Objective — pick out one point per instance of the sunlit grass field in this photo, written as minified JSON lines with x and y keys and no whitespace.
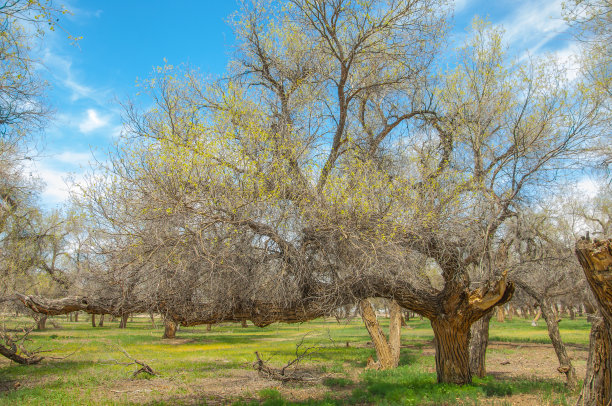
{"x":198,"y":366}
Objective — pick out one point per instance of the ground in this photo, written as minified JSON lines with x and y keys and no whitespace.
{"x":215,"y":367}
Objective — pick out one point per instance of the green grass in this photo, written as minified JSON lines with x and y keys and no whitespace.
{"x":92,"y":375}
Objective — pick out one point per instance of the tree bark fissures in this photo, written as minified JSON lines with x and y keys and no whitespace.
{"x":595,"y":257}
{"x":596,"y":390}
{"x":478,"y":345}
{"x":451,"y":342}
{"x":387,"y":352}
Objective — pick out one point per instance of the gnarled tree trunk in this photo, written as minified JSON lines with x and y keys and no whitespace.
{"x":451,"y":341}
{"x":169,"y":329}
{"x":596,"y":260}
{"x":478,"y":345}
{"x":387,"y":352}
{"x":565,"y":363}
{"x":596,"y":388}
{"x":101,"y":322}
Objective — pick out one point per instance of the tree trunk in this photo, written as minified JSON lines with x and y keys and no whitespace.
{"x":76,"y":317}
{"x":93,"y":320}
{"x":208,"y":327}
{"x":169,"y":329}
{"x":451,"y":341}
{"x":596,"y":261}
{"x":565,"y":363}
{"x":387,"y":356}
{"x":395,"y":331}
{"x":478,"y":345}
{"x":101,"y":322}
{"x":534,"y":323}
{"x":510,"y":311}
{"x":596,"y":390}
{"x":153,"y":325}
{"x":244,"y":323}
{"x":41,"y":323}
{"x":572,"y":313}
{"x":500,"y":314}
{"x":70,"y":316}
{"x":124,"y":320}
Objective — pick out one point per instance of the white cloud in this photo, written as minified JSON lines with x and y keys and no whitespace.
{"x":92,"y":122}
{"x":568,"y":57}
{"x":588,"y":187}
{"x":534,"y":24}
{"x":74,"y":158}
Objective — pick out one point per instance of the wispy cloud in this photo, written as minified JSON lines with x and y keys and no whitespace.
{"x":93,"y":121}
{"x":534,"y":24}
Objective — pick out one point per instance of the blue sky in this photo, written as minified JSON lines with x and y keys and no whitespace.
{"x":124,"y":40}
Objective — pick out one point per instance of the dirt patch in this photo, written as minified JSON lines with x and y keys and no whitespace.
{"x":510,"y":360}
{"x":232,"y":386}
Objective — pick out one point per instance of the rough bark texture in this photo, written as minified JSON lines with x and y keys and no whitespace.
{"x":169,"y":329}
{"x":93,"y":320}
{"x":451,"y":341}
{"x":478,"y":345}
{"x":565,"y":363}
{"x":101,"y":322}
{"x":387,"y":357}
{"x":596,"y":260}
{"x":596,"y":388}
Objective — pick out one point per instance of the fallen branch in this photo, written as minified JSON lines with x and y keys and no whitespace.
{"x":290,"y":372}
{"x":13,"y":348}
{"x":144,"y":368}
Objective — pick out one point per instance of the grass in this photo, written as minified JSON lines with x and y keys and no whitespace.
{"x":198,"y":359}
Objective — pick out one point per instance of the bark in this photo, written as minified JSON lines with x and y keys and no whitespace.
{"x":572,"y":313}
{"x":124,"y":320}
{"x":510,"y":311}
{"x":395,"y":331}
{"x":596,"y":390}
{"x":596,"y":260}
{"x":169,"y":329}
{"x":478,"y":345}
{"x":387,"y":356}
{"x":76,"y":317}
{"x":11,"y":353}
{"x":208,"y":327}
{"x":565,"y":363}
{"x":70,"y":316}
{"x":93,"y":320}
{"x":244,"y":323}
{"x":101,"y":322}
{"x":41,"y":323}
{"x":451,"y":341}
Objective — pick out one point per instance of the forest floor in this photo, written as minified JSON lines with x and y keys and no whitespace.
{"x":215,"y":367}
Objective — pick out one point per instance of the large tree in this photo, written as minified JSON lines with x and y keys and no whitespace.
{"x":336,"y":162}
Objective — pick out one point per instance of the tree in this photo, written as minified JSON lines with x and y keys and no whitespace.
{"x":333,"y":164}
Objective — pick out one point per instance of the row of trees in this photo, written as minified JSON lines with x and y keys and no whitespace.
{"x":339,"y":161}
